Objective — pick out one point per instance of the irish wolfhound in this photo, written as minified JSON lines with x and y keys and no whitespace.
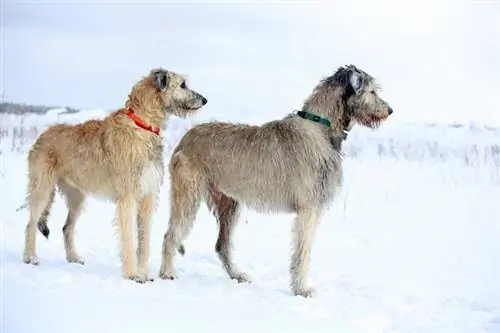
{"x":119,"y":158}
{"x":290,"y":165}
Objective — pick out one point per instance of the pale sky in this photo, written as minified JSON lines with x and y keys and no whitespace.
{"x":435,"y":60}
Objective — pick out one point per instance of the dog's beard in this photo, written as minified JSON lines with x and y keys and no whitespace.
{"x":371,"y":121}
{"x":190,"y":106}
{"x":183,"y":110}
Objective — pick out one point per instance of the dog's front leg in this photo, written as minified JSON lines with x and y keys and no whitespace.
{"x":144,"y":213}
{"x":124,"y":206}
{"x":303,"y":235}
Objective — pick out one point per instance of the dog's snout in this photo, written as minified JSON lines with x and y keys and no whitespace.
{"x":204,"y":100}
{"x":389,"y":111}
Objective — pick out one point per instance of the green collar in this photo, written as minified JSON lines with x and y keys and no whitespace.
{"x":315,"y":118}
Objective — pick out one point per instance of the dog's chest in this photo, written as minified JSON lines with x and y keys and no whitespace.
{"x":152,"y":177}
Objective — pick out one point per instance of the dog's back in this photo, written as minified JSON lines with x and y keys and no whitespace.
{"x":78,"y":154}
{"x":272,"y":167}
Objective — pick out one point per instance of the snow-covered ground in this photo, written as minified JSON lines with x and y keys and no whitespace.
{"x":411,"y":245}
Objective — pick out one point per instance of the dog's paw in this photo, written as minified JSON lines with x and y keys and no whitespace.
{"x":135,"y":277}
{"x":76,"y":260}
{"x":31,"y":259}
{"x":168,"y":275}
{"x":241,"y":278}
{"x":306,"y":292}
{"x":146,"y":276}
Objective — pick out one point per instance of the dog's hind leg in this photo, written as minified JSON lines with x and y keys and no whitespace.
{"x":75,"y":200}
{"x":227,"y":212}
{"x":185,"y":199}
{"x":41,"y":189}
{"x":303,"y":234}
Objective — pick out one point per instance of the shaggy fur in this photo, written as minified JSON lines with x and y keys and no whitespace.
{"x":291,"y":165}
{"x":113,"y":158}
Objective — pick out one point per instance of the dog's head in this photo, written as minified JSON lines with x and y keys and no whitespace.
{"x":363,"y":104}
{"x":173,"y":92}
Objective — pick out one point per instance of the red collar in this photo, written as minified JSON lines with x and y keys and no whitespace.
{"x":141,"y":123}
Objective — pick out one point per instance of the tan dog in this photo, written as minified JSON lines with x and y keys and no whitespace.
{"x":119,"y":158}
{"x":290,"y":165}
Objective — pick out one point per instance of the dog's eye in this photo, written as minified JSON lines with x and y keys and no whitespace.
{"x":373,"y":92}
{"x":183,"y":85}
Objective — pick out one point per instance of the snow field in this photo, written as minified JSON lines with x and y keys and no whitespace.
{"x":407,"y":247}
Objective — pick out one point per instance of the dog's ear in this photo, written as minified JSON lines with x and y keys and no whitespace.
{"x":356,"y":80}
{"x":161,"y":79}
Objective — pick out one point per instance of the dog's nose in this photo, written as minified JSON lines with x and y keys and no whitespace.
{"x":204,"y":100}
{"x":390,"y":111}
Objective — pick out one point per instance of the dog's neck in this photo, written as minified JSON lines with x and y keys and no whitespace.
{"x":315,"y":118}
{"x":153,"y":115}
{"x":141,"y":123}
{"x":336,"y":138}
{"x":336,"y":110}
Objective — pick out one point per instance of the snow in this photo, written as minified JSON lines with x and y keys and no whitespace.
{"x":411,"y":245}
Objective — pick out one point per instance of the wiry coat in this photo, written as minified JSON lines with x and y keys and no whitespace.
{"x":115,"y":158}
{"x":260,"y":167}
{"x":287,"y":165}
{"x":96,"y":160}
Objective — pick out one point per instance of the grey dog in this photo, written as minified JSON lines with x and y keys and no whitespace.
{"x":291,"y":165}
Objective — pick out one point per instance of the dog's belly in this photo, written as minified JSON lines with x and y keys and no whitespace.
{"x":274,"y":194}
{"x":151,"y":178}
{"x":260,"y":199}
{"x":94,"y":184}
{"x":265,"y":206}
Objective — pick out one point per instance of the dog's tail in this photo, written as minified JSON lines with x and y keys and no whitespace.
{"x":22,"y":207}
{"x":42,"y":222}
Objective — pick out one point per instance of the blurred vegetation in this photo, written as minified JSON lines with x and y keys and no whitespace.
{"x":21,"y":109}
